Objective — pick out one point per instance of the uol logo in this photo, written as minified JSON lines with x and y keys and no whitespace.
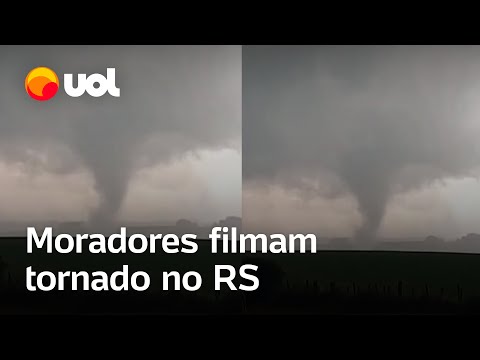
{"x":42,"y":84}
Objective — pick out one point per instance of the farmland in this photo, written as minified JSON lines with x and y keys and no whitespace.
{"x":327,"y":281}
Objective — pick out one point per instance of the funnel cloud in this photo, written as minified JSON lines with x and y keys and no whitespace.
{"x":180,"y":108}
{"x":355,"y":134}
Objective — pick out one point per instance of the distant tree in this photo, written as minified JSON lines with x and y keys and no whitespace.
{"x":469,"y":242}
{"x":186,"y":224}
{"x":433,"y":241}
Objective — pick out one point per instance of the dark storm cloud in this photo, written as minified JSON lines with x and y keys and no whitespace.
{"x":378,"y":119}
{"x":174,"y":100}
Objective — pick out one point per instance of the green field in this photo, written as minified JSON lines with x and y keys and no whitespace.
{"x":349,"y":270}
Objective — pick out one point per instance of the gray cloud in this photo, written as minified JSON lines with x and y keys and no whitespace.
{"x":379,"y":120}
{"x":174,"y":100}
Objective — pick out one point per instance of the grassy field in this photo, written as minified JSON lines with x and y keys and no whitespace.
{"x":362,"y":267}
{"x":447,"y":276}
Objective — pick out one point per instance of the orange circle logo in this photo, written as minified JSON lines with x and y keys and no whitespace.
{"x":42,"y":83}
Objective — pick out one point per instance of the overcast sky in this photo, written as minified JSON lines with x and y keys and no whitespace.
{"x":363,"y":141}
{"x":340,"y":140}
{"x":168,"y":148}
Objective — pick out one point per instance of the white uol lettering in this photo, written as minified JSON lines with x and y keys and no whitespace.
{"x":112,"y":87}
{"x":85,"y":83}
{"x":96,"y":79}
{"x":68,"y":85}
